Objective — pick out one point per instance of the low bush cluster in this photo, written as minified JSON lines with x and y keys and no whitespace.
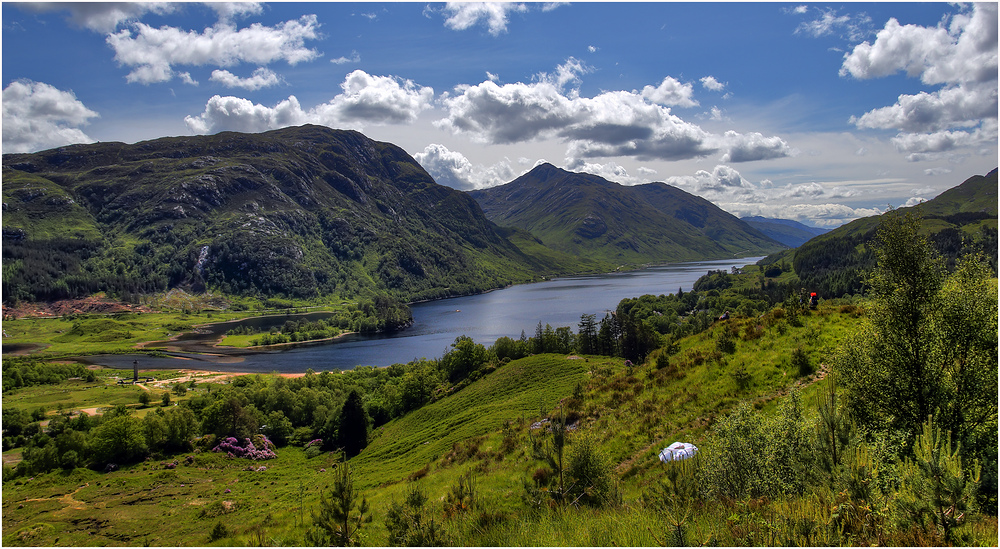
{"x":258,"y":449}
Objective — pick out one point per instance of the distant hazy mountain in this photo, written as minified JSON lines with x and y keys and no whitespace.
{"x":297,"y":212}
{"x":960,"y":220}
{"x":790,"y":233}
{"x":588,"y":216}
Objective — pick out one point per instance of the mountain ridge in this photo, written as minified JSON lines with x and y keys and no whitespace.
{"x":298,"y":212}
{"x":790,"y":233}
{"x":960,"y":220}
{"x":586,"y":215}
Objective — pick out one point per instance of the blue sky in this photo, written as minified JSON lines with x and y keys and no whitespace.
{"x":817,"y":112}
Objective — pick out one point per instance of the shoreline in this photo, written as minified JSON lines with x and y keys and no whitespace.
{"x":209,"y":347}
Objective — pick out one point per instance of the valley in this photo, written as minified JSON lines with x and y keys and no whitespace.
{"x":501,"y":418}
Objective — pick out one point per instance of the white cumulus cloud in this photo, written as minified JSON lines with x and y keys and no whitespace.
{"x":610,"y":124}
{"x":960,"y":56}
{"x":261,"y":78}
{"x":453,"y":169}
{"x":464,"y":15}
{"x":39,"y":116}
{"x":366,"y":99}
{"x":670,"y":92}
{"x":102,"y":16}
{"x":748,"y":147}
{"x":153,"y":52}
{"x":710,"y":83}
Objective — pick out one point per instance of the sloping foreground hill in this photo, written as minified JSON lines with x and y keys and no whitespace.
{"x":298,"y":212}
{"x":628,"y":412}
{"x":788,"y":232}
{"x":960,"y":220}
{"x":588,"y":216}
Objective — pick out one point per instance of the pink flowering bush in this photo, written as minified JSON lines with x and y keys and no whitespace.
{"x":259,"y":448}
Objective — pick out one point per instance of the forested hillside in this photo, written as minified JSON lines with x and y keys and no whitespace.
{"x":298,"y":212}
{"x":959,"y":221}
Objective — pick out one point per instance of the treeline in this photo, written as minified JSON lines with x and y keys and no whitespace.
{"x":27,"y":371}
{"x":382,"y":314}
{"x":834,"y":266}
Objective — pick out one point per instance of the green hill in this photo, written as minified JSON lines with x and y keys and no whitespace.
{"x":588,"y":216}
{"x":960,"y":220}
{"x":298,"y":212}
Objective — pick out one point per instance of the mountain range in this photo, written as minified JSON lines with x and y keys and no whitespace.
{"x":790,"y":233}
{"x":297,"y":212}
{"x":311,"y":212}
{"x":586,"y":215}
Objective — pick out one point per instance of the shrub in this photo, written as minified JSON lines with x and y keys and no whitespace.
{"x":935,"y":484}
{"x":218,"y":532}
{"x":408,"y":523}
{"x":592,"y":480}
{"x":461,"y":497}
{"x":258,"y":449}
{"x":801,"y":362}
{"x":742,"y":377}
{"x":724,"y":343}
{"x":340,"y":517}
{"x":754,"y":456}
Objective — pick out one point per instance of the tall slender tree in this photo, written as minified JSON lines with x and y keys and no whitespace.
{"x":352,"y":435}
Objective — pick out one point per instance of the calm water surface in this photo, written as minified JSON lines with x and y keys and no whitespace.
{"x":484,"y":317}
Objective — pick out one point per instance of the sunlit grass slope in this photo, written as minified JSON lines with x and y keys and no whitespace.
{"x":483,"y":429}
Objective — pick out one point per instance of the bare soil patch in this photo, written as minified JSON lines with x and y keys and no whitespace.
{"x":88,"y":305}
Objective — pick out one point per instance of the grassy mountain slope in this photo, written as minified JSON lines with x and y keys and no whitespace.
{"x":788,"y":232}
{"x":588,"y":216}
{"x":960,"y":220}
{"x":299,"y":212}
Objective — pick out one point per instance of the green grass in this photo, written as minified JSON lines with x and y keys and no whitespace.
{"x":514,"y":392}
{"x":631,"y":413}
{"x":242,"y":340}
{"x":74,"y":395}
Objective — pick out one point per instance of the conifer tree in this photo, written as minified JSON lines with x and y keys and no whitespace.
{"x":338,"y":524}
{"x":352,"y":435}
{"x":935,"y":485}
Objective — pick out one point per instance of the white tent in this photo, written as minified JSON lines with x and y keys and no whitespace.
{"x":678,"y":451}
